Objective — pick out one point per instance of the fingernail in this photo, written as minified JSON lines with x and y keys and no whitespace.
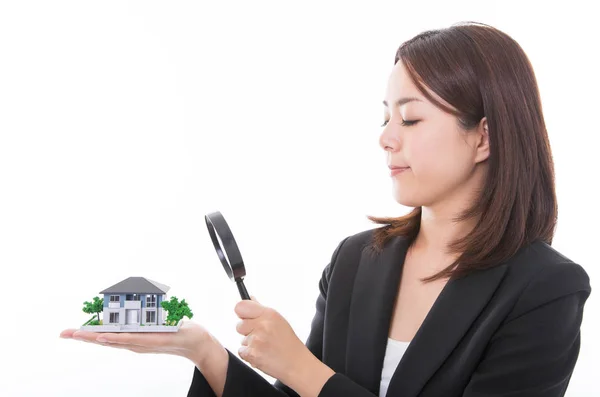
{"x":101,"y":339}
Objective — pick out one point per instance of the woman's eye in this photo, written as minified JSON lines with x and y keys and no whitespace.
{"x":406,"y":123}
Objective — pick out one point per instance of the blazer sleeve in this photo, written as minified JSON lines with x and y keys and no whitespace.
{"x":243,"y":381}
{"x":534,"y":353}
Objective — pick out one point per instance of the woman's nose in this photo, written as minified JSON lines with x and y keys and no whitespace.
{"x":388,"y":140}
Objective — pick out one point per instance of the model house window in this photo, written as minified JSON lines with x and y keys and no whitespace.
{"x":151,"y":317}
{"x":114,"y":298}
{"x":114,"y":318}
{"x":150,"y":300}
{"x":133,"y":297}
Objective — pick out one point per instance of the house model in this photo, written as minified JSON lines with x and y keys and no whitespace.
{"x":134,"y":305}
{"x":135,"y":300}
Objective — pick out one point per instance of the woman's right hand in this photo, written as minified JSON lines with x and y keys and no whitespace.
{"x":191,"y":341}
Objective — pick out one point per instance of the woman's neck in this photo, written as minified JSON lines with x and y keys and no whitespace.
{"x":438,"y":229}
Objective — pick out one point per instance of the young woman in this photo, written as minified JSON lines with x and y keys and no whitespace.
{"x":464,"y":296}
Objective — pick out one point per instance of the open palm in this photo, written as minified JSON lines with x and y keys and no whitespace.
{"x":188,"y":342}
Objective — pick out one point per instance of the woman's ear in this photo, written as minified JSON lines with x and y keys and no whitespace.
{"x":483,"y":141}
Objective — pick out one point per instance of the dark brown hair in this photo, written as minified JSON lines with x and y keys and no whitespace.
{"x":483,"y":72}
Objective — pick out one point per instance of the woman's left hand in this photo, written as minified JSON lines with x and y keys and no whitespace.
{"x":269,"y":342}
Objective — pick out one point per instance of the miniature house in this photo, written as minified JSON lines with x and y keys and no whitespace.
{"x":135,"y":301}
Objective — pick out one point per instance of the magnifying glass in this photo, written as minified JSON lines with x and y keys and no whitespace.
{"x":231,"y":258}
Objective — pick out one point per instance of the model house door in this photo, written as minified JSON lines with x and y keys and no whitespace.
{"x":132,"y":317}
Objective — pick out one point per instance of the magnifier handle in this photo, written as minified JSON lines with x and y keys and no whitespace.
{"x":242,"y":289}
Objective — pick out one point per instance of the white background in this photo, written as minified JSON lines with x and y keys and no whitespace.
{"x":123,"y":123}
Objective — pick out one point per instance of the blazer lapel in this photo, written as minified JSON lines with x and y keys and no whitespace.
{"x":454,"y":311}
{"x":372,"y":303}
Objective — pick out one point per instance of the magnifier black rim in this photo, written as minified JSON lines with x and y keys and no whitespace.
{"x":220,"y":253}
{"x":216,"y":224}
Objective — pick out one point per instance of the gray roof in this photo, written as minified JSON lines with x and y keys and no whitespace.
{"x":137,"y":285}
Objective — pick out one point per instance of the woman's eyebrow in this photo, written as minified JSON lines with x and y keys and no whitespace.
{"x":403,"y":101}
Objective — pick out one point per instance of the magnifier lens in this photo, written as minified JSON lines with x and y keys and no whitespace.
{"x":227,"y":250}
{"x":223,"y":252}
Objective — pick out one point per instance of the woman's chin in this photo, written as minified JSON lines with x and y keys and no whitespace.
{"x":405,"y":201}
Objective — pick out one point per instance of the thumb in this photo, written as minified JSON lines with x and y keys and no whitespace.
{"x":252,"y":297}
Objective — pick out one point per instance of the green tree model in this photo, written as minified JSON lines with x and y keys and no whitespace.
{"x":95,"y":307}
{"x":176,"y":310}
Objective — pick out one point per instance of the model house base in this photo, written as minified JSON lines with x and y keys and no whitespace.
{"x":130,"y":328}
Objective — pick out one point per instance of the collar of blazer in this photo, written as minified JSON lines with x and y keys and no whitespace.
{"x":371,"y":307}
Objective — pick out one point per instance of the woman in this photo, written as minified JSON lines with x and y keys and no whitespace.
{"x":464,"y":296}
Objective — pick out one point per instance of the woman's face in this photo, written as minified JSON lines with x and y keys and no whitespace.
{"x":441,"y":157}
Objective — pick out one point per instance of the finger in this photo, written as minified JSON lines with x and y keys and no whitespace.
{"x":85,"y":336}
{"x":133,"y":348}
{"x":252,"y":297}
{"x":244,"y":327}
{"x":248,"y":309}
{"x":67,"y":333}
{"x":99,"y":339}
{"x":246,"y":340}
{"x":139,"y":349}
{"x":246,"y":354}
{"x":151,"y":340}
{"x":119,"y":338}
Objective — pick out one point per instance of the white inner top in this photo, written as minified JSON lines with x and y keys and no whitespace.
{"x":393,"y":354}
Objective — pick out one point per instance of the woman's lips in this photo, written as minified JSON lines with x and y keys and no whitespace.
{"x":398,"y":170}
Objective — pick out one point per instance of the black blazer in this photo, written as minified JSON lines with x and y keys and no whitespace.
{"x":511,"y":330}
